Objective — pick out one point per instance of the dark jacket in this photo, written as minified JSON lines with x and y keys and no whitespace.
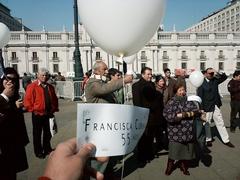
{"x":179,"y":130}
{"x":168,"y":93}
{"x":144,"y":94}
{"x":234,"y":89}
{"x":26,"y":80}
{"x":13,"y":138}
{"x":209,"y":93}
{"x":158,"y":109}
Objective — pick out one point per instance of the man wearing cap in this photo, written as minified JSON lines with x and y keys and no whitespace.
{"x":211,"y":103}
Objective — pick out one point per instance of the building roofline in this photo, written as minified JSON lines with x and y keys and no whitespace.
{"x":5,"y":7}
{"x":231,"y":3}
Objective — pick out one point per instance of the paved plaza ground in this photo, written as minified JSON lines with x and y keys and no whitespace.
{"x":224,"y":164}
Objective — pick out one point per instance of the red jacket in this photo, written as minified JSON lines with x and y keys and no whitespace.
{"x":34,"y":100}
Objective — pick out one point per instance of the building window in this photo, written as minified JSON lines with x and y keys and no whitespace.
{"x":184,"y":65}
{"x":165,"y":65}
{"x":55,"y":55}
{"x":15,"y":66}
{"x":220,"y":55}
{"x":184,"y":55}
{"x":238,"y":54}
{"x":98,"y":55}
{"x":165,"y":56}
{"x":143,"y":65}
{"x":221,"y":66}
{"x":202,"y":55}
{"x":202,"y":66}
{"x":55,"y":68}
{"x":14,"y":55}
{"x":238,"y":65}
{"x":143,"y":55}
{"x":34,"y":56}
{"x":35,"y":68}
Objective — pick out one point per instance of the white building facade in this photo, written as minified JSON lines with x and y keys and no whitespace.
{"x":27,"y":51}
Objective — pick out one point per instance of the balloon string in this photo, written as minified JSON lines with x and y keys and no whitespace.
{"x":124,"y":97}
{"x":123,"y":162}
{"x":124,"y":91}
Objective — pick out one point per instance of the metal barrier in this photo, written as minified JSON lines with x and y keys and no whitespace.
{"x":68,"y":89}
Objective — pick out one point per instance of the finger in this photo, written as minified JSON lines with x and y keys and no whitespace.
{"x":94,"y":173}
{"x":67,"y":148}
{"x":102,"y":159}
{"x":85,"y":151}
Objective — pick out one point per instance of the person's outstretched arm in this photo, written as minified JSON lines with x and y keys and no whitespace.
{"x":65,"y":163}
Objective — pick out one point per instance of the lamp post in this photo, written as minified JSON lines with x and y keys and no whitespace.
{"x":77,"y":57}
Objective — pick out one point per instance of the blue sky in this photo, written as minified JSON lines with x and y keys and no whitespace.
{"x":54,"y":14}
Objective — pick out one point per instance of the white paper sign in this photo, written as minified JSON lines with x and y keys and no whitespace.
{"x":114,"y":129}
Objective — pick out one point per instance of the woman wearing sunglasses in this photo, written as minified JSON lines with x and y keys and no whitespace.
{"x":13,"y":134}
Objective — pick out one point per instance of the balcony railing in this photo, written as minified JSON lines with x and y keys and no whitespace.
{"x":55,"y":59}
{"x":143,"y":57}
{"x":14,"y":59}
{"x":35,"y":59}
{"x":184,"y":57}
{"x":165,"y":57}
{"x":98,"y":58}
{"x":203,"y":57}
{"x":221,"y":57}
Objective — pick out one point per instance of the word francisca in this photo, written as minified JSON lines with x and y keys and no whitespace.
{"x":112,"y":126}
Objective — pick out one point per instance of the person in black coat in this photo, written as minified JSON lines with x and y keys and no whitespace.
{"x":211,"y":103}
{"x":160,"y":121}
{"x":13,"y":134}
{"x":144,"y":94}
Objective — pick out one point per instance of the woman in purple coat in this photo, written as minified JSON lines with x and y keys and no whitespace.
{"x":179,"y":114}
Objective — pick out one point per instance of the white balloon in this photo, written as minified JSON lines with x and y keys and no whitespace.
{"x":196,"y":78}
{"x":194,"y":98}
{"x":129,"y":59}
{"x":4,"y":35}
{"x":121,"y":27}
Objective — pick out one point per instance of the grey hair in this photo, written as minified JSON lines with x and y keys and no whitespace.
{"x":97,"y":64}
{"x":43,"y":71}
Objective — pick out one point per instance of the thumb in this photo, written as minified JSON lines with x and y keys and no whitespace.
{"x":85,"y":152}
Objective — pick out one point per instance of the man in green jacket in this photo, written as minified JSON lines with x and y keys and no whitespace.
{"x":98,"y":90}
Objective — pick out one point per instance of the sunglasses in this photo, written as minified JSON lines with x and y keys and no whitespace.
{"x":9,"y":78}
{"x":211,"y":73}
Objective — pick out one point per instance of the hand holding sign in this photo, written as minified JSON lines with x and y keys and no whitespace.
{"x":113,"y":128}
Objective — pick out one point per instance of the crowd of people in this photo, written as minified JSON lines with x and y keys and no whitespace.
{"x":177,"y":123}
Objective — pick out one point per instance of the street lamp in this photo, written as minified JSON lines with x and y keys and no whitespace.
{"x":77,"y":57}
